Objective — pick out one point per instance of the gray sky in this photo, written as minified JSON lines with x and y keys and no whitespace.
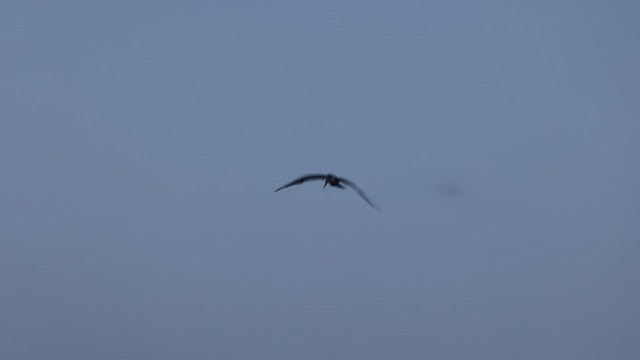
{"x":140,"y":144}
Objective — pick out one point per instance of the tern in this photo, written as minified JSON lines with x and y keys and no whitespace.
{"x":331,"y":180}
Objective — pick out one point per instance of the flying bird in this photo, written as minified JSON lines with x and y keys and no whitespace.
{"x":331,"y":180}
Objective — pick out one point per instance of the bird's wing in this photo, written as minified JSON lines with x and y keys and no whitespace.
{"x":360,"y":192}
{"x":302,"y":179}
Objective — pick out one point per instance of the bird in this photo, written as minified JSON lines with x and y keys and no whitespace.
{"x":331,"y":180}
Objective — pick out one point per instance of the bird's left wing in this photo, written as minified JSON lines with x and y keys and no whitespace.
{"x":302,"y":179}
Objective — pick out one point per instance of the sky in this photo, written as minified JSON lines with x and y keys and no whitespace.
{"x":141,"y":142}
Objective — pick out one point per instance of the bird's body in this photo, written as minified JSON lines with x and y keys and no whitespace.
{"x":331,"y":180}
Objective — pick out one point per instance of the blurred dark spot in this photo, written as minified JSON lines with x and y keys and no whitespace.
{"x":449,"y":188}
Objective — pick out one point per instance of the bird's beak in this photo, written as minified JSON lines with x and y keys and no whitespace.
{"x":325,"y":184}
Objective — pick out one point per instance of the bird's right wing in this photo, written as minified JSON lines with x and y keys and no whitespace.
{"x":360,"y":192}
{"x":302,"y":179}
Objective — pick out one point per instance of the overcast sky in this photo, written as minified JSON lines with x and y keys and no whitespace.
{"x":141,"y":141}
